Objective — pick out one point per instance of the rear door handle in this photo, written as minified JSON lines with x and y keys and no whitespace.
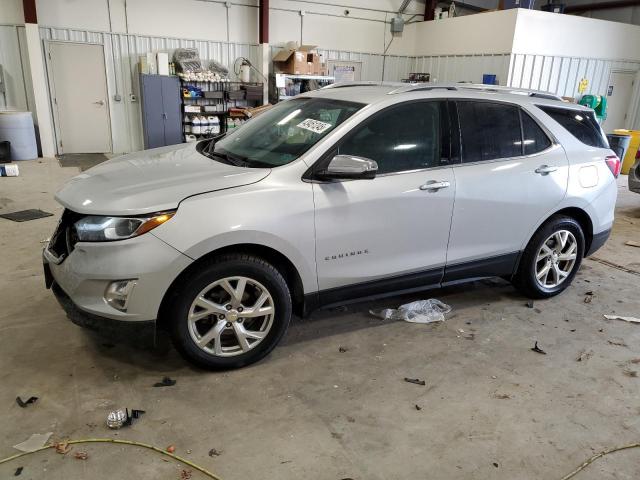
{"x":434,"y":185}
{"x":545,"y":169}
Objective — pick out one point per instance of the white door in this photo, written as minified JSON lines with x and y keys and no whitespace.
{"x":392,"y":228}
{"x":505,"y":186}
{"x":80,"y":98}
{"x":619,"y":93}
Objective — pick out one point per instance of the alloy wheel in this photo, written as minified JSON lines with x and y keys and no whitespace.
{"x":231,"y":316}
{"x":556,"y":259}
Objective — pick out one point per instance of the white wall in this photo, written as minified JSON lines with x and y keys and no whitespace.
{"x":15,"y":97}
{"x":488,"y":33}
{"x":544,"y":33}
{"x":11,"y":12}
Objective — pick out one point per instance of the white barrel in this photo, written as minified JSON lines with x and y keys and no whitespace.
{"x":17,"y":128}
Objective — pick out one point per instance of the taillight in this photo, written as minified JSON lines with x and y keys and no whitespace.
{"x":614,"y":164}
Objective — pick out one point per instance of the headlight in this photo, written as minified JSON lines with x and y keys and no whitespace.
{"x":103,"y":229}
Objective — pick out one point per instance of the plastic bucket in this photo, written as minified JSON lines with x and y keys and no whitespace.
{"x":17,"y":128}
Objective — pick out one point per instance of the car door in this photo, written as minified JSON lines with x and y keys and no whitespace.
{"x":512,"y":175}
{"x":389,"y":233}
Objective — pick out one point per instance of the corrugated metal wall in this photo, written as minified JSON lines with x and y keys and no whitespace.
{"x":122,"y":52}
{"x":561,"y":75}
{"x":463,"y":68}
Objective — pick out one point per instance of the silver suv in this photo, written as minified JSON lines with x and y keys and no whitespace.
{"x":347,"y":192}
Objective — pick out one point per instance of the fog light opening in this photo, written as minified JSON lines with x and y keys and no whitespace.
{"x":118,"y":292}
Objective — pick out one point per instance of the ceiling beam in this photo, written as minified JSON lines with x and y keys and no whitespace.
{"x":263,"y":22}
{"x":29,"y":7}
{"x":587,"y":7}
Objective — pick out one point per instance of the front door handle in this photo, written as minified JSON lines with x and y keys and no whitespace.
{"x":545,"y":169}
{"x":434,"y":185}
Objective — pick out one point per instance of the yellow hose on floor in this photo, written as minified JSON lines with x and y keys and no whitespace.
{"x":123,"y":442}
{"x":597,"y":456}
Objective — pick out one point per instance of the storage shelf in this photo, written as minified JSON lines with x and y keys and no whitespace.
{"x":306,"y":77}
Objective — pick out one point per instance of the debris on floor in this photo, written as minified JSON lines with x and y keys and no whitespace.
{"x":62,"y":447}
{"x":166,"y":382}
{"x":185,"y":474}
{"x":81,"y":455}
{"x":530,"y":304}
{"x":417,"y":407}
{"x":11,"y":170}
{"x":619,"y":317}
{"x":343,"y":349}
{"x":538,"y":349}
{"x":617,"y":343}
{"x":415,"y":381}
{"x":34,"y":442}
{"x":26,"y":215}
{"x":122,"y":418}
{"x":421,"y":311}
{"x":584,"y":355}
{"x":171,"y":448}
{"x":630,"y":373}
{"x":588,"y":297}
{"x":501,"y":396}
{"x":214,"y":453}
{"x":18,"y":471}
{"x":632,"y":243}
{"x":27,"y":402}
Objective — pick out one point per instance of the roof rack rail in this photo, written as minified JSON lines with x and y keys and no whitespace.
{"x":363,"y":83}
{"x":421,"y":87}
{"x":515,"y":91}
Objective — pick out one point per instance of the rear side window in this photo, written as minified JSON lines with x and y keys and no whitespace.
{"x":582,"y":125}
{"x":489,"y":131}
{"x":534,"y":140}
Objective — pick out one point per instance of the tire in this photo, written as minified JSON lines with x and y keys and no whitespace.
{"x":530,"y":267}
{"x":208,"y":306}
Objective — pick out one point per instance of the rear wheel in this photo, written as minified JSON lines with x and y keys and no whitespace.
{"x":552,"y":258}
{"x":230,"y":313}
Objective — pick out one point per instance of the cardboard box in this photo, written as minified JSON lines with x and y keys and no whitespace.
{"x":299,"y":61}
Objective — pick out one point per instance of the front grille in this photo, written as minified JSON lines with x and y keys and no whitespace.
{"x":64,"y":239}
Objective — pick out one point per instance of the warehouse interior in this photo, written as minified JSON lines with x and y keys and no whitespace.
{"x":501,"y":386}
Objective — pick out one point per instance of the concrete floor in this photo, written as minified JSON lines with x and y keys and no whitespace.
{"x":310,"y":411}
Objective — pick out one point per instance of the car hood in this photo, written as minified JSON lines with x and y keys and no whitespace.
{"x":151,"y":181}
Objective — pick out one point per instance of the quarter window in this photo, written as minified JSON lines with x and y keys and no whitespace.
{"x":534,"y":140}
{"x":581,"y":124}
{"x":403,"y":138}
{"x":489,"y":131}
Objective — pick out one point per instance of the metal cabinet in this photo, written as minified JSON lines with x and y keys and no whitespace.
{"x":161,"y":119}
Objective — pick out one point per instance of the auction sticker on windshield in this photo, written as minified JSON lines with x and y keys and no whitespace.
{"x":315,"y":126}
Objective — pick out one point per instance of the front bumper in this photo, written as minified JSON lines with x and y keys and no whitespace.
{"x":141,"y":333}
{"x":85,"y":273}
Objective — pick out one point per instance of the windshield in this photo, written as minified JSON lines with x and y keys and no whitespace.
{"x":281,"y":134}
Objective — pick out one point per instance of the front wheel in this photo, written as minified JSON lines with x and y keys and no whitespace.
{"x":552,"y":258}
{"x":230,"y":313}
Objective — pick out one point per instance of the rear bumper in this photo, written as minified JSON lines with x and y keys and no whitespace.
{"x":599,"y":239}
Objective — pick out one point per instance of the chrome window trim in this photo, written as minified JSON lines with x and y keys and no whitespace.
{"x":505,"y":159}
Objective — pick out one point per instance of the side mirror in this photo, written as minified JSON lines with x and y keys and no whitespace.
{"x":343,"y":167}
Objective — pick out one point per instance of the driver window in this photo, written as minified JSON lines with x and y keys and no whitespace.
{"x":402,"y":138}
